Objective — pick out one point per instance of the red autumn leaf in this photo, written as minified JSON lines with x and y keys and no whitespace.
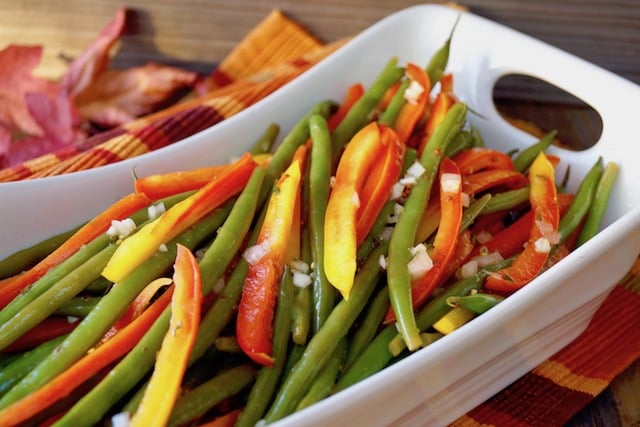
{"x":16,"y":80}
{"x":118,"y":96}
{"x":36,"y":117}
{"x":86,"y":68}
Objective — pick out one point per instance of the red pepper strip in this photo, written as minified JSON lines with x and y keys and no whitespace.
{"x":484,"y":180}
{"x":480,"y":158}
{"x":173,"y":356}
{"x":354,"y":93}
{"x":510,"y":241}
{"x":227,"y":420}
{"x":444,"y":101}
{"x":157,"y":186}
{"x":124,"y":207}
{"x":543,"y":232}
{"x":376,"y":190}
{"x":267,"y":258}
{"x":94,"y":361}
{"x":49,"y":328}
{"x":137,"y":248}
{"x":354,"y":168}
{"x":447,"y":236}
{"x":413,"y":109}
{"x":491,"y":223}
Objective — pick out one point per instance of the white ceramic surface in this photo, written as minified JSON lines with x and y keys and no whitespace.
{"x":438,"y":384}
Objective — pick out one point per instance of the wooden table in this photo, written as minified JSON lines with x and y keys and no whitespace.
{"x":197,"y":33}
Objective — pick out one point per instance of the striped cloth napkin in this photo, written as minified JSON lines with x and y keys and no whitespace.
{"x":275,"y":52}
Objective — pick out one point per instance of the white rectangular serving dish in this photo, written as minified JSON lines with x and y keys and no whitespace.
{"x":438,"y":384}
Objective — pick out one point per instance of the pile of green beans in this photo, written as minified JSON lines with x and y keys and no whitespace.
{"x":322,"y":344}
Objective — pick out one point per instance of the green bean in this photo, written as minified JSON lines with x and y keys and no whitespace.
{"x":476,"y":208}
{"x":82,"y":255}
{"x":230,"y":235}
{"x":377,"y":355}
{"x":438,"y":62}
{"x":199,"y":400}
{"x":25,"y":362}
{"x":438,"y":307}
{"x":325,"y":341}
{"x":266,"y":140}
{"x":141,"y":358}
{"x":581,"y":202}
{"x":268,"y":377}
{"x":301,"y":310}
{"x":403,"y":236}
{"x":507,"y":200}
{"x":324,"y":294}
{"x":47,"y":303}
{"x":111,"y":306}
{"x":227,"y":345}
{"x":297,"y":136}
{"x":222,"y":310}
{"x":476,"y":302}
{"x":523,"y":160}
{"x":390,"y":114}
{"x":376,"y":310}
{"x":28,"y":257}
{"x":53,"y":276}
{"x":326,"y":379}
{"x":599,"y":206}
{"x":373,"y":358}
{"x":360,"y":112}
{"x":78,"y":306}
{"x":90,"y":409}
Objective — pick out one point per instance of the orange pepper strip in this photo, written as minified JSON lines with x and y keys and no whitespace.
{"x":413,"y":110}
{"x":377,"y":189}
{"x":137,"y":306}
{"x":171,"y":362}
{"x":543,"y":232}
{"x":254,"y":324}
{"x":124,"y":207}
{"x":484,"y":180}
{"x":356,"y":163}
{"x":137,"y":248}
{"x":445,"y":242}
{"x":162,"y":185}
{"x":480,"y":158}
{"x":354,"y":93}
{"x":62,"y":385}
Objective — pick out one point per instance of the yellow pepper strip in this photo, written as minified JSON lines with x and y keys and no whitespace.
{"x":340,"y":237}
{"x":173,"y":356}
{"x":137,"y":248}
{"x":451,"y":321}
{"x":267,"y":259}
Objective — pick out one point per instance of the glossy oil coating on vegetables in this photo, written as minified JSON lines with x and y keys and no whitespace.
{"x":244,"y":292}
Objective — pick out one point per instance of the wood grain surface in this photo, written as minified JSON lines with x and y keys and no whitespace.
{"x":197,"y":33}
